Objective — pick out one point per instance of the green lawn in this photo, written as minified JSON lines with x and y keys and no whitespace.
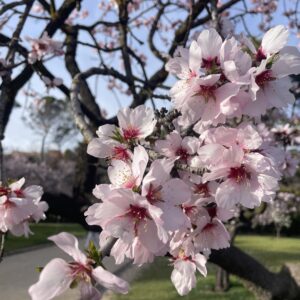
{"x":41,"y":232}
{"x":154,"y":282}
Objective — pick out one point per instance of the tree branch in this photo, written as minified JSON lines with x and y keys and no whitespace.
{"x":279,"y":285}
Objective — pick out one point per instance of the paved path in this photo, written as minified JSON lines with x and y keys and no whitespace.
{"x":17,"y":272}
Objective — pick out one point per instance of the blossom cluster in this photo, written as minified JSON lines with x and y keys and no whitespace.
{"x":43,"y":46}
{"x":220,"y":80}
{"x":19,"y":206}
{"x":173,"y":186}
{"x":172,"y":196}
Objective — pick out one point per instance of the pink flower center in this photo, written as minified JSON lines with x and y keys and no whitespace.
{"x":19,"y":193}
{"x":182,"y":153}
{"x":4,"y":191}
{"x":41,"y":46}
{"x":120,"y":153}
{"x":264,"y":77}
{"x":130,"y":183}
{"x":192,"y":74}
{"x":208,"y":226}
{"x":207,"y":91}
{"x":153,"y":194}
{"x":202,"y":189}
{"x":239,"y":174}
{"x":8,"y":204}
{"x":189,"y":210}
{"x":81,"y":271}
{"x":130,"y":133}
{"x":138,"y":213}
{"x":260,"y":55}
{"x":209,"y":63}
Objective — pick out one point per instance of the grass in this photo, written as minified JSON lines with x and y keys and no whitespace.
{"x":271,"y":251}
{"x":154,"y":282}
{"x":41,"y":232}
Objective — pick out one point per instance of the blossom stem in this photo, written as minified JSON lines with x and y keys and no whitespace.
{"x":105,"y":251}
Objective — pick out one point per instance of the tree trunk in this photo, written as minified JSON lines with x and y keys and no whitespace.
{"x":222,"y":283}
{"x":278,"y":231}
{"x":222,"y":280}
{"x":43,"y":147}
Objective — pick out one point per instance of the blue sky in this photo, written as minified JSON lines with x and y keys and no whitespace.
{"x":20,"y":137}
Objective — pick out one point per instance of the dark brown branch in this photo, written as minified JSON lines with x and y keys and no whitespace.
{"x":61,"y":16}
{"x":10,"y":6}
{"x":79,"y":117}
{"x":278,"y":285}
{"x":88,"y":100}
{"x":123,"y":31}
{"x":152,"y":32}
{"x":220,"y":10}
{"x":180,"y":36}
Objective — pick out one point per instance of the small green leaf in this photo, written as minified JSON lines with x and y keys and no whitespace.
{"x":94,"y":254}
{"x":39,"y":269}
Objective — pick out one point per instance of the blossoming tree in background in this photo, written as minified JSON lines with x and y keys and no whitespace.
{"x":177,"y":174}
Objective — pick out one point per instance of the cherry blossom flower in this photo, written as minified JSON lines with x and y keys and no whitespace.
{"x":126,"y":215}
{"x":174,"y":146}
{"x":115,"y":143}
{"x":268,"y":89}
{"x":129,"y":175}
{"x":167,"y":193}
{"x":247,"y":179}
{"x":183,"y":276}
{"x":206,"y":100}
{"x":186,"y":65}
{"x":18,"y":206}
{"x":58,"y":275}
{"x":107,"y":145}
{"x":136,"y":123}
{"x":43,"y":46}
{"x":210,"y":232}
{"x":134,"y":250}
{"x":236,"y":64}
{"x":273,"y":41}
{"x":246,"y":137}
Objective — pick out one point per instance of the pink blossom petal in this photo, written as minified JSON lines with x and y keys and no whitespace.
{"x":69,"y":244}
{"x":110,"y":281}
{"x":54,"y":280}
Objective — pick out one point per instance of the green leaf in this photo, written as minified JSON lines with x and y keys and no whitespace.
{"x":39,"y":269}
{"x":94,"y":254}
